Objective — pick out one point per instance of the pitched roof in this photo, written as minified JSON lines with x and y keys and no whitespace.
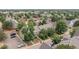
{"x":77,"y":32}
{"x":45,"y":46}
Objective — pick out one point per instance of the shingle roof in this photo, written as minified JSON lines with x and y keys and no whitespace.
{"x":45,"y":46}
{"x":77,"y":32}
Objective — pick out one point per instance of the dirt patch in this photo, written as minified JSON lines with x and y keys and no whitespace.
{"x":36,"y":41}
{"x":29,"y":43}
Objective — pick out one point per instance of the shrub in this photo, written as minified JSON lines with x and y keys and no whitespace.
{"x":67,"y":46}
{"x":27,"y":15}
{"x":72,"y":32}
{"x":43,"y":34}
{"x":20,"y":25}
{"x":28,"y":33}
{"x":29,"y":37}
{"x":3,"y":46}
{"x":70,"y":16}
{"x":61,"y":27}
{"x":56,"y":18}
{"x":56,"y":39}
{"x":76,"y":23}
{"x":50,"y":32}
{"x":7,"y":25}
{"x":2,"y":19}
{"x":2,"y":36}
{"x":43,"y":21}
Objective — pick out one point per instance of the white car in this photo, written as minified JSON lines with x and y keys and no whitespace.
{"x":20,"y":45}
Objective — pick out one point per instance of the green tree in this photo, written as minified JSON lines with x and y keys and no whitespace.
{"x":24,"y":30}
{"x":28,"y":32}
{"x":29,"y":36}
{"x":67,"y":46}
{"x":61,"y":27}
{"x":50,"y":32}
{"x":56,"y":18}
{"x":70,"y":16}
{"x":20,"y":25}
{"x":7,"y":25}
{"x":76,"y":23}
{"x":72,"y":32}
{"x":56,"y":38}
{"x":43,"y":34}
{"x":2,"y":19}
{"x":43,"y":20}
{"x":31,"y":25}
{"x":2,"y":36}
{"x":4,"y":47}
{"x":27,"y":15}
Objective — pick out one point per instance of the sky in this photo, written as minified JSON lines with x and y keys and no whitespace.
{"x":39,"y":4}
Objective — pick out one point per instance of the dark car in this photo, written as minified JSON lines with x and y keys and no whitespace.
{"x":13,"y":35}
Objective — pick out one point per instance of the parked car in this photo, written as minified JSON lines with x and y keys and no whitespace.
{"x":20,"y":45}
{"x":13,"y":35}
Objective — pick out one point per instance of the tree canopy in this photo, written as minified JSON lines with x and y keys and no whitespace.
{"x":7,"y":25}
{"x":2,"y":36}
{"x":65,"y":46}
{"x":56,"y":38}
{"x":43,"y":34}
{"x":61,"y":27}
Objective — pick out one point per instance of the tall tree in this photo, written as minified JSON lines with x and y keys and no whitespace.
{"x":61,"y":27}
{"x":7,"y":25}
{"x":43,"y":34}
{"x":50,"y":32}
{"x":28,"y":32}
{"x":56,"y":38}
{"x":2,"y":19}
{"x":2,"y":36}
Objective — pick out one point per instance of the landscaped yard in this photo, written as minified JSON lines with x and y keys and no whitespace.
{"x":39,"y":29}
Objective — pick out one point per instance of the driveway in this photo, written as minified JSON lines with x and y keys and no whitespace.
{"x":12,"y":42}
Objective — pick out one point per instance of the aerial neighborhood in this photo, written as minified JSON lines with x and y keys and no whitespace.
{"x":39,"y":29}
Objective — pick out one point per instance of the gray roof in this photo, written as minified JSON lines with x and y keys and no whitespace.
{"x":46,"y":26}
{"x":45,"y":46}
{"x":77,"y":32}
